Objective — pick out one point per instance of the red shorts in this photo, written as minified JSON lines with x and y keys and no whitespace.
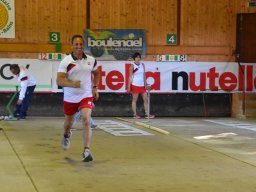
{"x":72,"y":108}
{"x":138,"y":89}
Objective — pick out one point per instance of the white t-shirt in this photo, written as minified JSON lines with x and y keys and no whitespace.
{"x":138,"y":75}
{"x":26,"y":80}
{"x":78,"y":70}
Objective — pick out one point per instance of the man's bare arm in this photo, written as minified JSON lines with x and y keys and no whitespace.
{"x":64,"y":82}
{"x":96,"y":77}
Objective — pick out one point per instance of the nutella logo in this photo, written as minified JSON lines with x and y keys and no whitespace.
{"x":115,"y":80}
{"x":211,"y":80}
{"x":215,"y":81}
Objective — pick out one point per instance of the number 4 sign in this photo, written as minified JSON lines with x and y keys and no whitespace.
{"x":171,"y":39}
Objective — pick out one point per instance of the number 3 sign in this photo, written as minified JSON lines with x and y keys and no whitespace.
{"x":54,"y":37}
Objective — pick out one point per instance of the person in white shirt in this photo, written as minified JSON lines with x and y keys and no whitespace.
{"x":27,"y":87}
{"x":138,"y":85}
{"x":75,"y":76}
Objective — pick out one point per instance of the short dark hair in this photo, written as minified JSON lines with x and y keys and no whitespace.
{"x":14,"y":66}
{"x":136,"y":55}
{"x":76,"y":36}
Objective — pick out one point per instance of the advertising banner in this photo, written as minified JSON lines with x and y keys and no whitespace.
{"x":7,"y":18}
{"x":115,"y":44}
{"x":164,"y":77}
{"x":189,"y":77}
{"x":41,"y":70}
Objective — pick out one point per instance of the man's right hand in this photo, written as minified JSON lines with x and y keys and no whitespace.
{"x":76,"y":84}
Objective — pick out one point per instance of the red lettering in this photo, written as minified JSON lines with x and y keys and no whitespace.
{"x":118,"y":79}
{"x":156,"y":77}
{"x":127,"y":66}
{"x":255,"y":83}
{"x":102,"y":74}
{"x":228,"y":81}
{"x":115,"y":80}
{"x":241,"y":78}
{"x":192,"y":82}
{"x":212,"y":75}
{"x":249,"y":78}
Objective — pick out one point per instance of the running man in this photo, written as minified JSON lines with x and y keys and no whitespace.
{"x":74,"y":75}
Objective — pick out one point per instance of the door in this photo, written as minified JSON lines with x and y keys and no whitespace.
{"x":246,"y":38}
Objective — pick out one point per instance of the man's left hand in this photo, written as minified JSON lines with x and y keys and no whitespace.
{"x":95,"y":94}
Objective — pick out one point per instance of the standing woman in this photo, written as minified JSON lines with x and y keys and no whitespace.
{"x":137,"y":85}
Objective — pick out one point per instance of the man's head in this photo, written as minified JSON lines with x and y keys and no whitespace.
{"x":77,"y":44}
{"x":76,"y":36}
{"x":15,"y":69}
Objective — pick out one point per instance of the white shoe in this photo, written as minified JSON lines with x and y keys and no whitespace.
{"x":65,"y":143}
{"x":87,"y":156}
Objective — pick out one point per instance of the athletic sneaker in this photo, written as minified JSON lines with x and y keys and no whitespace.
{"x":65,"y":143}
{"x":87,"y":156}
{"x":136,"y":117}
{"x":150,"y":116}
{"x":94,"y":126}
{"x":21,"y":118}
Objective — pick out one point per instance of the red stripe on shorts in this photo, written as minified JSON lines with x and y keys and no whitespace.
{"x":138,"y":89}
